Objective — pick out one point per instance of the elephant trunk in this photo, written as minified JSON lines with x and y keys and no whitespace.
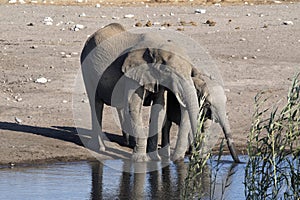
{"x":226,"y":130}
{"x":192,"y":107}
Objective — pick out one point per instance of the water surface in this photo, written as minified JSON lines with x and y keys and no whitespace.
{"x":94,"y":180}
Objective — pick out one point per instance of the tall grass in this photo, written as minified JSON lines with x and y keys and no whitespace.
{"x":273,"y":168}
{"x":203,"y":168}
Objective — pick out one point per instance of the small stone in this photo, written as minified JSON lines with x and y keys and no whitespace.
{"x":48,"y":21}
{"x":200,"y":11}
{"x":237,"y":28}
{"x":138,"y":24}
{"x":129,"y":16}
{"x":97,"y":5}
{"x":261,"y":15}
{"x":19,"y":99}
{"x":65,"y":101}
{"x":265,"y":26}
{"x":180,"y":29}
{"x":33,"y":47}
{"x":287,"y":23}
{"x":258,"y":50}
{"x":248,"y":14}
{"x":77,"y":27}
{"x":82,"y":15}
{"x":172,"y":14}
{"x":233,"y":56}
{"x":84,"y":101}
{"x":162,"y":28}
{"x":243,"y":39}
{"x":68,"y":56}
{"x":18,"y":120}
{"x":277,"y":2}
{"x":210,"y":22}
{"x":254,"y":57}
{"x":245,"y":58}
{"x":41,"y":80}
{"x":30,"y":24}
{"x":103,"y":16}
{"x":149,"y":24}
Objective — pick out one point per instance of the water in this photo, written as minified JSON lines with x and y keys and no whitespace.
{"x":93,"y":180}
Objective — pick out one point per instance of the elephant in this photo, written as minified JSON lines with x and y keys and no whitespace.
{"x":215,"y":109}
{"x":123,"y":69}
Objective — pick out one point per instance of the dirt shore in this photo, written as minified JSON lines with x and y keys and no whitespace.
{"x":256,"y":47}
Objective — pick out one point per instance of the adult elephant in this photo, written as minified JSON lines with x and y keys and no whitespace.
{"x":122,"y":69}
{"x":215,"y":109}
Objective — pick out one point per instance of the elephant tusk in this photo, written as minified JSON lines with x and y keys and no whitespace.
{"x":179,"y":100}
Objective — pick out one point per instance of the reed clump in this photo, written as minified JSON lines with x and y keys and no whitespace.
{"x":273,"y":168}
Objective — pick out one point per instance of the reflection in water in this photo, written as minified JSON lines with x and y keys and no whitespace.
{"x":164,"y":183}
{"x":94,"y":180}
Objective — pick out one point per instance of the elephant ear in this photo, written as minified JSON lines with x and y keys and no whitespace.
{"x":138,"y":66}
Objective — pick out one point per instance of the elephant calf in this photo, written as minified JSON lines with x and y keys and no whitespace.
{"x":215,"y":105}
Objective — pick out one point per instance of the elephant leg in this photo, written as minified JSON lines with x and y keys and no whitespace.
{"x":134,"y":114}
{"x":165,"y":140}
{"x":182,"y":138}
{"x":157,"y":118}
{"x":96,"y":142}
{"x":129,"y":140}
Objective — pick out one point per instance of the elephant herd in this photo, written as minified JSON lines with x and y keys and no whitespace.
{"x":128,"y":70}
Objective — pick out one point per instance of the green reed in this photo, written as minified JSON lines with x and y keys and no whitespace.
{"x":203,"y":168}
{"x":273,"y":168}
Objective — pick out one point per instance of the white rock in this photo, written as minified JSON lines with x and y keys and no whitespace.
{"x":41,"y":80}
{"x":200,"y":11}
{"x":245,"y":58}
{"x":243,"y":39}
{"x":162,"y":28}
{"x":218,"y":4}
{"x":288,"y":23}
{"x":114,"y":17}
{"x":18,"y":120}
{"x":248,"y":14}
{"x":84,"y":101}
{"x":278,"y":2}
{"x":12,"y":1}
{"x":258,"y":50}
{"x":103,"y":16}
{"x":22,"y":1}
{"x":82,"y":15}
{"x":77,"y":27}
{"x":172,"y":14}
{"x":48,"y":21}
{"x":65,"y":101}
{"x":129,"y":16}
{"x":97,"y":5}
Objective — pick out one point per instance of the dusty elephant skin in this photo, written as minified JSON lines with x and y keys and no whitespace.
{"x":252,"y":47}
{"x":122,"y":69}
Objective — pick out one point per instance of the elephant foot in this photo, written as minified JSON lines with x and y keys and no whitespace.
{"x":165,"y":152}
{"x":140,"y":157}
{"x":154,"y":156}
{"x":95,"y":146}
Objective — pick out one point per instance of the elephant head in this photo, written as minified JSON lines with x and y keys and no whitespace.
{"x":155,"y":63}
{"x":216,"y":101}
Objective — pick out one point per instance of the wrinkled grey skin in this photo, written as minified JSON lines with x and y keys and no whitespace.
{"x":215,"y":105}
{"x":122,"y":69}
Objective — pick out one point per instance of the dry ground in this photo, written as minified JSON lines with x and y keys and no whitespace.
{"x":30,"y":49}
